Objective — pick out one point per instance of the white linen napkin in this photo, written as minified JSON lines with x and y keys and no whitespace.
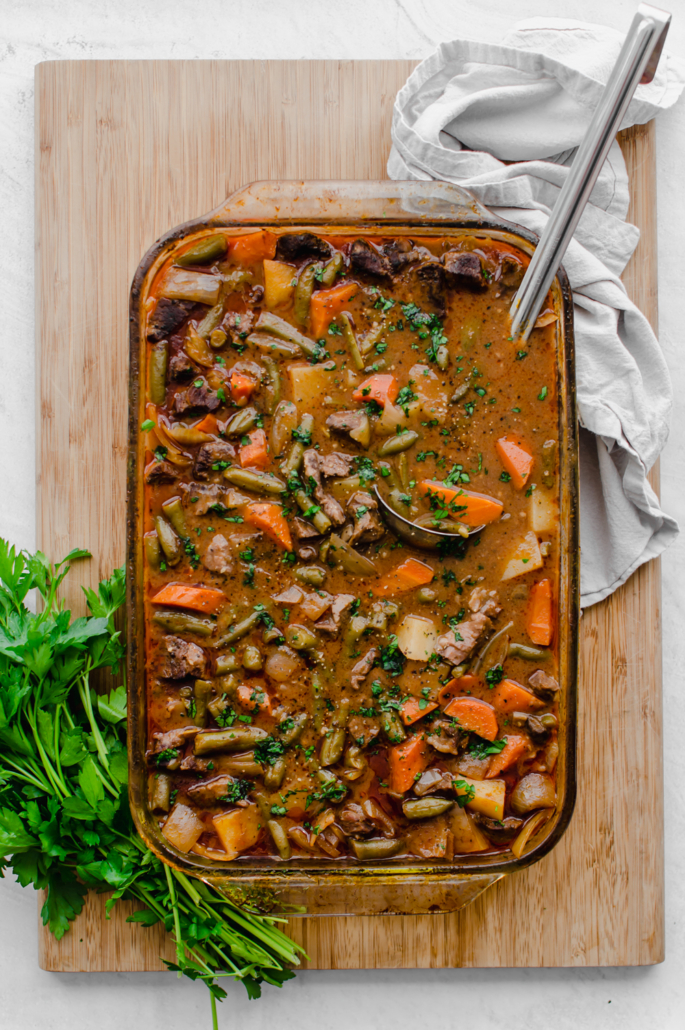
{"x":471,"y":106}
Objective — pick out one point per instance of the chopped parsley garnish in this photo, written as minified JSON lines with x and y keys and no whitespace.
{"x":147,"y":425}
{"x":494,"y":676}
{"x":504,"y":477}
{"x":167,"y":755}
{"x":269,"y":750}
{"x":160,"y":453}
{"x":237,"y":791}
{"x":542,"y":394}
{"x":303,"y":435}
{"x":481,"y":748}
{"x":469,"y":792}
{"x":391,"y":658}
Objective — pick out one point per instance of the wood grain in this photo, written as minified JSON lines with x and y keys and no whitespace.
{"x":126,"y":150}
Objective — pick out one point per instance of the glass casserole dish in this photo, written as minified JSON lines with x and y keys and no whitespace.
{"x":403,"y":883}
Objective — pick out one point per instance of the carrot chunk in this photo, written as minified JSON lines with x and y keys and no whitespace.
{"x":379,"y":388}
{"x":254,"y":697}
{"x":181,"y":595}
{"x":407,"y":576}
{"x":242,"y":388}
{"x":510,"y":696}
{"x":456,"y":688}
{"x":270,"y":519}
{"x":516,"y":459}
{"x":207,"y":425}
{"x":515,"y":746}
{"x":325,"y":305}
{"x":407,"y":761}
{"x":255,"y":454}
{"x":411,"y":709}
{"x":474,"y":715}
{"x":539,"y":624}
{"x":248,"y":250}
{"x":468,"y":507}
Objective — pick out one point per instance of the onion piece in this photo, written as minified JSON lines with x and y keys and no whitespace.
{"x":529,"y":829}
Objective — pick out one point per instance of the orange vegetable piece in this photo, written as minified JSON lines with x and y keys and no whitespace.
{"x":474,"y":715}
{"x":325,"y":305}
{"x":181,"y":595}
{"x":238,"y":829}
{"x":515,"y":746}
{"x":254,"y":697}
{"x":270,"y":519}
{"x":539,"y":624}
{"x":456,"y":688}
{"x":510,"y":696}
{"x":411,"y":710}
{"x":377,"y":388}
{"x":470,"y":508}
{"x":406,"y":760}
{"x":407,"y":576}
{"x":255,"y":453}
{"x":516,"y":459}
{"x":242,"y":388}
{"x":207,"y":425}
{"x":248,"y":250}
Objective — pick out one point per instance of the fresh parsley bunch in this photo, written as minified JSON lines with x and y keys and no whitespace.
{"x":65,"y":822}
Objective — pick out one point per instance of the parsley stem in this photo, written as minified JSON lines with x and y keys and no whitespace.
{"x":215,"y":1020}
{"x":180,"y":952}
{"x":84,"y":694}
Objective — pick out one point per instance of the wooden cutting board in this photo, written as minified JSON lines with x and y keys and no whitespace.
{"x":124,"y":151}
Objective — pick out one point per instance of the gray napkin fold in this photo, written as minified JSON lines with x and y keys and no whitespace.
{"x":464,"y":111}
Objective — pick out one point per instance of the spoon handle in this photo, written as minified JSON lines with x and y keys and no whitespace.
{"x":636,"y":63}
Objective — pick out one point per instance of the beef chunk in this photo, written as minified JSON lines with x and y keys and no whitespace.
{"x":363,"y":729}
{"x":198,"y":499}
{"x":305,"y":552}
{"x":367,"y":525}
{"x":347,"y":421}
{"x":484,"y":601}
{"x":301,"y":244}
{"x":167,"y":317}
{"x":173,"y":738}
{"x":432,"y":780}
{"x":500,"y":831}
{"x":433,"y":278}
{"x":353,"y":821}
{"x":181,"y":659}
{"x":366,"y":259}
{"x":464,"y":269}
{"x":209,"y":793}
{"x":160,"y":472}
{"x":196,"y":398}
{"x":211,"y":454}
{"x":312,"y":474}
{"x":192,"y":764}
{"x":445,"y":737}
{"x":235,"y":323}
{"x":458,"y":644}
{"x":181,"y":367}
{"x":336,"y":464}
{"x":363,"y":667}
{"x":510,"y":273}
{"x":217,"y":557}
{"x":400,"y":253}
{"x":303,"y":530}
{"x":339,"y":605}
{"x":546,"y":687}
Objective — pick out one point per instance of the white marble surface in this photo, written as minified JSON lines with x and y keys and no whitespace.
{"x":38,"y":30}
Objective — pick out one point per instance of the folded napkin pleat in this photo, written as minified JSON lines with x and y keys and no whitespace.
{"x":504,"y":122}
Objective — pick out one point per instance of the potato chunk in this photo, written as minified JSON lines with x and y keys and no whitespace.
{"x":543,"y":513}
{"x":525,"y":558}
{"x":183,"y":827}
{"x":238,"y":830}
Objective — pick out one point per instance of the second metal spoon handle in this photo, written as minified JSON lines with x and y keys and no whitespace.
{"x":636,"y":63}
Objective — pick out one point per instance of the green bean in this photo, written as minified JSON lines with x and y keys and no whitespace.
{"x":243,"y":765}
{"x":168,"y":540}
{"x":396,"y":444}
{"x":275,"y":774}
{"x":331,"y":269}
{"x":217,"y":338}
{"x":549,"y":721}
{"x":279,"y":327}
{"x":241,"y":422}
{"x":280,"y":839}
{"x":442,"y":357}
{"x":403,"y":470}
{"x":153,"y":551}
{"x":326,"y":777}
{"x":201,"y":693}
{"x":294,"y":732}
{"x":161,"y":793}
{"x":233,"y":739}
{"x":350,"y":560}
{"x":270,"y":345}
{"x":181,"y":622}
{"x":389,"y":473}
{"x":341,"y":487}
{"x":226,"y":663}
{"x":239,"y":630}
{"x":252,"y":658}
{"x":324,"y":549}
{"x":271,"y":633}
{"x":303,"y":292}
{"x":211,"y":320}
{"x":174,"y":512}
{"x":355,"y":762}
{"x":284,"y":421}
{"x":234,"y":280}
{"x":159,"y":359}
{"x":372,"y":337}
{"x":318,"y":701}
{"x":351,"y":341}
{"x":425,"y":595}
{"x":342,"y":714}
{"x":425,"y":808}
{"x":392,"y":727}
{"x":355,"y":630}
{"x":273,"y":387}
{"x":299,"y":637}
{"x":263,"y":803}
{"x":332,"y":747}
{"x":549,"y":461}
{"x":293,"y":462}
{"x":475,"y":668}
{"x":204,"y":252}
{"x":376,"y":848}
{"x":258,"y":482}
{"x":319,"y":518}
{"x":531,"y":654}
{"x":461,"y":391}
{"x":312,"y":575}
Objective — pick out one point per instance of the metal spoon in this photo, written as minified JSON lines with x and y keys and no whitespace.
{"x":636,"y":63}
{"x":418,"y":536}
